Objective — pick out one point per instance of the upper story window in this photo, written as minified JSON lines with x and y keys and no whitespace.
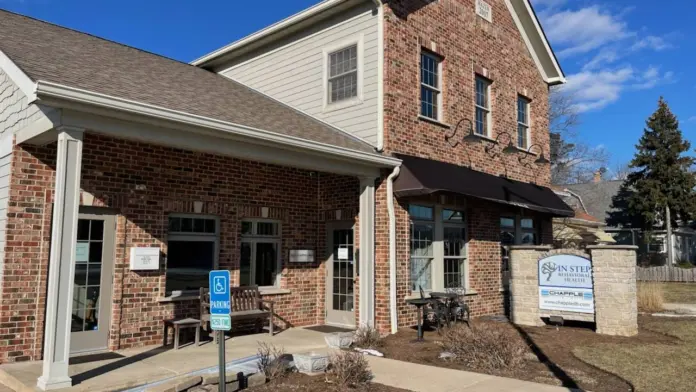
{"x":483,"y":106}
{"x":522,"y":122}
{"x":431,"y":82}
{"x":260,"y":253}
{"x":192,"y":246}
{"x":343,"y":74}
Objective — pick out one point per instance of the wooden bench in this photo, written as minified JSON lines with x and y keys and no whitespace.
{"x":246,"y":303}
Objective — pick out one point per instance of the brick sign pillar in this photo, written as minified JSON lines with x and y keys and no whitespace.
{"x":616,"y":305}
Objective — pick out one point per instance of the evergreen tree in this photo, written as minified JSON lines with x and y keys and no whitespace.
{"x":661,"y":177}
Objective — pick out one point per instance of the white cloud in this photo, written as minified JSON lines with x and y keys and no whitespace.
{"x":651,"y":42}
{"x":607,"y":55}
{"x":583,"y":30}
{"x":601,"y":42}
{"x":596,"y":89}
{"x":692,"y":119}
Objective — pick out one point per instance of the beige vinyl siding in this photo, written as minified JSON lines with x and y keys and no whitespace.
{"x":15,"y":114}
{"x":292,"y":70}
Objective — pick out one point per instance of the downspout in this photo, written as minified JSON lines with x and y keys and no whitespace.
{"x":392,"y":248}
{"x":380,"y":75}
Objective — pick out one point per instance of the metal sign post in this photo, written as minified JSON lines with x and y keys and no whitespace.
{"x":220,"y":320}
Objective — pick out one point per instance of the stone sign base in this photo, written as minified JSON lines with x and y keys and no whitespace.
{"x":614,"y":278}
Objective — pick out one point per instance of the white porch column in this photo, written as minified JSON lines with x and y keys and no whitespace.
{"x":62,"y":260}
{"x":367,"y":251}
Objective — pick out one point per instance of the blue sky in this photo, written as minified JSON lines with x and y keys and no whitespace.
{"x":619,"y":56}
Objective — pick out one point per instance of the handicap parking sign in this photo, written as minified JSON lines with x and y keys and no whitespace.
{"x":220,"y":308}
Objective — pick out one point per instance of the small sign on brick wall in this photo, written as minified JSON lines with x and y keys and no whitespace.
{"x":484,"y":10}
{"x":301,"y":256}
{"x":144,"y":259}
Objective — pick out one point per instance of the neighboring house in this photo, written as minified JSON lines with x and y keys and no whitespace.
{"x":341,"y":159}
{"x":580,"y":230}
{"x":598,"y":195}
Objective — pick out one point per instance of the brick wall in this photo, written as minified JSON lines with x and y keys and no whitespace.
{"x":468,"y":45}
{"x":145,"y":183}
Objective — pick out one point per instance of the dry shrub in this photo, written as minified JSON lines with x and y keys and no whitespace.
{"x":368,"y":337}
{"x":271,"y":362}
{"x":650,"y":297}
{"x":348,"y":370}
{"x":487,"y":346}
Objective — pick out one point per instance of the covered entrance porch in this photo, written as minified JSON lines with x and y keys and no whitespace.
{"x":297,"y":221}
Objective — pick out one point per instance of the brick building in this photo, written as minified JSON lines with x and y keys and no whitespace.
{"x":397,"y":146}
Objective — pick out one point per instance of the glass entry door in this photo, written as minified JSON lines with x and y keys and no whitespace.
{"x":92,"y":290}
{"x":340,"y":293}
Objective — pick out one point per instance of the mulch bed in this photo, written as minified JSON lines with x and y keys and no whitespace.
{"x":301,"y":382}
{"x":550,"y":359}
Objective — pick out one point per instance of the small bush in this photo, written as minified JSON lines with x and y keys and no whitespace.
{"x":367,"y":337}
{"x":489,"y":346}
{"x":650,"y":297}
{"x":271,"y":362}
{"x":348,"y":370}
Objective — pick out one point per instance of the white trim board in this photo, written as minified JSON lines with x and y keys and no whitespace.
{"x":22,"y":80}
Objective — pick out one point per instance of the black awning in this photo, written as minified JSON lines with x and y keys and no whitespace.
{"x":420,"y":176}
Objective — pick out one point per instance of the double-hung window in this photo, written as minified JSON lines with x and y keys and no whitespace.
{"x":483,"y":107}
{"x":192,"y":252}
{"x":260,"y":253}
{"x":516,"y":231}
{"x":431,"y":81}
{"x":522,"y":122}
{"x":343,"y":74}
{"x":422,"y":234}
{"x":454,"y":243}
{"x":438,"y":248}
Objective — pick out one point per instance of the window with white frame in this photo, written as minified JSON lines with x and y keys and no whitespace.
{"x":343,"y":74}
{"x":260,"y":253}
{"x":431,"y":81}
{"x":192,"y":252}
{"x":422,"y":234}
{"x":522,"y":122}
{"x":454,"y":243}
{"x":438,"y":248}
{"x":483,"y":106}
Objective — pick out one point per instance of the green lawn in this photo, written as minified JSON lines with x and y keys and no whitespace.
{"x":651,"y":367}
{"x":683,"y":293}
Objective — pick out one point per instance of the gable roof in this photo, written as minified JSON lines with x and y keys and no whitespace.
{"x":522,"y":12}
{"x":52,"y":55}
{"x":597,"y":197}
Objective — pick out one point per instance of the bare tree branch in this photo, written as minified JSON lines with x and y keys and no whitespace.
{"x":573,"y":160}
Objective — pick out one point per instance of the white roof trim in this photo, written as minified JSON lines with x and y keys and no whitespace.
{"x":278,"y":26}
{"x":58,"y":91}
{"x":22,"y":80}
{"x":542,"y":35}
{"x":538,"y":34}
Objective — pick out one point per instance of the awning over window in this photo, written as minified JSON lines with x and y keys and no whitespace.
{"x":421,"y":176}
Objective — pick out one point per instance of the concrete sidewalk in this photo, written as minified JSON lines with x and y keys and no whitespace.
{"x":423,"y":378}
{"x":144,"y":365}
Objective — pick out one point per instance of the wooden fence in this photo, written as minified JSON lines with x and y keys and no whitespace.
{"x":666,"y":274}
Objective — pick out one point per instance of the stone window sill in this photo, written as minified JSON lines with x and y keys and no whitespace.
{"x":179,"y":298}
{"x":433,"y":121}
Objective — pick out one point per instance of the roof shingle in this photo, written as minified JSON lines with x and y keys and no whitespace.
{"x":56,"y":54}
